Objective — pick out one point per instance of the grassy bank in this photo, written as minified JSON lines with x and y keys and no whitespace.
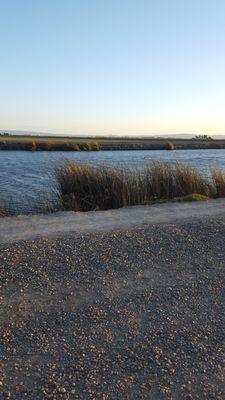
{"x":51,"y":143}
{"x":47,"y":144}
{"x":86,"y":188}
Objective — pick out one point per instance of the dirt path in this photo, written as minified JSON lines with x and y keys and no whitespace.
{"x":13,"y":229}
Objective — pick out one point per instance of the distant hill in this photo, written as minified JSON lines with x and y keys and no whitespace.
{"x":111,"y":136}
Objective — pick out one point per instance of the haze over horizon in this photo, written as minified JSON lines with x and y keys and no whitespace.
{"x":118,"y":135}
{"x":99,"y":67}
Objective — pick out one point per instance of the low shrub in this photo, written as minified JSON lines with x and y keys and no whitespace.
{"x":73,"y":147}
{"x":169,"y":146}
{"x":89,"y":146}
{"x":95,"y":146}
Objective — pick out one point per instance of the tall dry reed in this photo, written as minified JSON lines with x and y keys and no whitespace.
{"x":84,"y":187}
{"x":218,"y":179}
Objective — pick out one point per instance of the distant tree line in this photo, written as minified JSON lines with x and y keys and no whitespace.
{"x":203,"y":137}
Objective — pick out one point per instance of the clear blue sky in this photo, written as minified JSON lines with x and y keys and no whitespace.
{"x":113,"y":66}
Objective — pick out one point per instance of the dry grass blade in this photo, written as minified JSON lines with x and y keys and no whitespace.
{"x":218,"y":179}
{"x":84,"y":187}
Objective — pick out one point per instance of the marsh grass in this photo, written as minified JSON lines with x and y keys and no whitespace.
{"x":81,"y":187}
{"x":49,"y":145}
{"x":218,"y":179}
{"x":169,"y":146}
{"x":86,"y":188}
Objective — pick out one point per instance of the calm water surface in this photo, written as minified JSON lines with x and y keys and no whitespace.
{"x":27,"y":176}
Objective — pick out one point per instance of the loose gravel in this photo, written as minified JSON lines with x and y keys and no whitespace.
{"x":135,"y":314}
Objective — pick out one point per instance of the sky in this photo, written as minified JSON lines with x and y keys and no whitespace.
{"x":145,"y":67}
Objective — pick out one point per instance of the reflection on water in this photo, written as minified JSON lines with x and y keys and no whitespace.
{"x":28,"y":176}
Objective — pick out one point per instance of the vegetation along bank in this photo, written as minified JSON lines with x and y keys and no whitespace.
{"x":38,"y":143}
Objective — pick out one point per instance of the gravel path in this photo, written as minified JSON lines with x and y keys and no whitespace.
{"x":24,"y":227}
{"x":132,"y":314}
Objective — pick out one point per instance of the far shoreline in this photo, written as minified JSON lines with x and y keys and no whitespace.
{"x":54,"y":143}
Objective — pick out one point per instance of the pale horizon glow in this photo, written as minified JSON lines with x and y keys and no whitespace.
{"x":113,"y":67}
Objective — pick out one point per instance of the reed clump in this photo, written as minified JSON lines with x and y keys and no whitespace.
{"x":218,"y":178}
{"x":169,"y":146}
{"x":85,"y":187}
{"x":89,"y":146}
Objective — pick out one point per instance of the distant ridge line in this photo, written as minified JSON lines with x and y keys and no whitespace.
{"x":105,"y":136}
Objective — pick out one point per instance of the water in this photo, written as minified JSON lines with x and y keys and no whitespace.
{"x":26,"y":177}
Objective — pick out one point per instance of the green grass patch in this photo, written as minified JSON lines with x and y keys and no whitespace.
{"x":193,"y":197}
